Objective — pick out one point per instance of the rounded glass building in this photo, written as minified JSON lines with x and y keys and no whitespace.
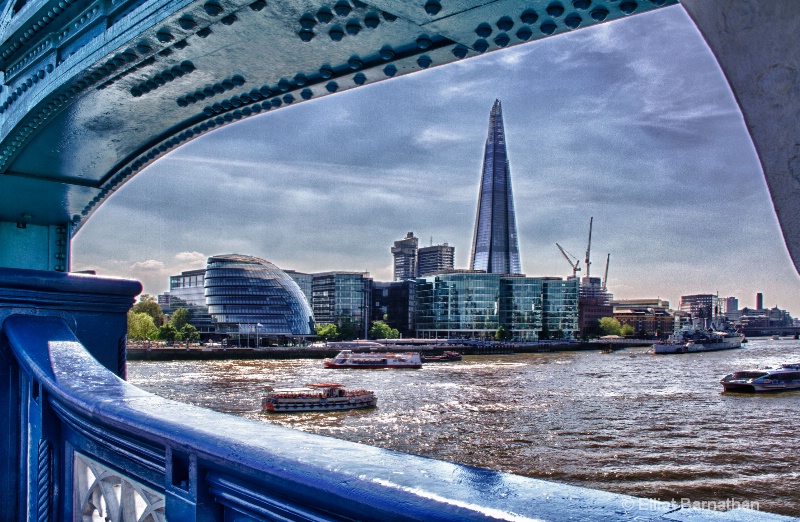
{"x":250,"y":296}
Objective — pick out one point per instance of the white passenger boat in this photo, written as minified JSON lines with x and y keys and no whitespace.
{"x":316,"y":397}
{"x":785,"y":377}
{"x":350,"y":359}
{"x":695,"y":338}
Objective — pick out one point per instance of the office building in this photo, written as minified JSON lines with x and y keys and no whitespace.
{"x":435,"y":258}
{"x":303,"y":281}
{"x":467,"y":304}
{"x":646,"y":322}
{"x":700,"y":305}
{"x":395,"y":303}
{"x":405,"y":257}
{"x":759,"y":301}
{"x":495,"y":246}
{"x":186,"y":290}
{"x":344,"y":299}
{"x":252,"y":299}
{"x":728,"y":305}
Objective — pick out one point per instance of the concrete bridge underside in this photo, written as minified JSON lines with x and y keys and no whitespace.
{"x":96,"y":90}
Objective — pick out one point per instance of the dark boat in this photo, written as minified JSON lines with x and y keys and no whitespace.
{"x":447,"y":356}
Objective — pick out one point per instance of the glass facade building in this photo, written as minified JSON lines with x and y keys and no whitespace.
{"x":247,"y":295}
{"x":187,"y":290}
{"x":495,"y":246}
{"x":342,"y":297}
{"x":473,"y":305}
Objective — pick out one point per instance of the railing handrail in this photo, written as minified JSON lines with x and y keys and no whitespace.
{"x":296,"y":474}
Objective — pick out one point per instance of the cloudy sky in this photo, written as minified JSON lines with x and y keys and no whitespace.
{"x":630,"y":122}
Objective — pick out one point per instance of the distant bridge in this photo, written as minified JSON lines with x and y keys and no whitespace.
{"x":95,"y":90}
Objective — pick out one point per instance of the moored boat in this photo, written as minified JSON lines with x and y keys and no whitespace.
{"x":447,"y":356}
{"x":695,"y":338}
{"x":316,"y":397}
{"x":350,"y":359}
{"x":785,"y":377}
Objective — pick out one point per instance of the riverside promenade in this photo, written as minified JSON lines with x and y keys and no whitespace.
{"x":194,"y":352}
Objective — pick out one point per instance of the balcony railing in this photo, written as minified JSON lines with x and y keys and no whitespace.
{"x":82,"y":444}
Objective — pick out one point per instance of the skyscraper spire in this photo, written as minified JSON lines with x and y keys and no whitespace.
{"x":495,"y":247}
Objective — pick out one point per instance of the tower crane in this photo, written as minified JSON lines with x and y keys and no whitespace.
{"x":605,"y":277}
{"x":589,"y":248}
{"x":569,"y":257}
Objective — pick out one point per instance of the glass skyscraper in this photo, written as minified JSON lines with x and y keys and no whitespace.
{"x":495,"y":246}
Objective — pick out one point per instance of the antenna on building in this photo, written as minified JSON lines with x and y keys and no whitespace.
{"x":431,"y":240}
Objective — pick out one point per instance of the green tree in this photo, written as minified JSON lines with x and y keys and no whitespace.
{"x":148,"y":305}
{"x":180,"y":318}
{"x":381,"y":330}
{"x":610,"y":326}
{"x":140,"y":326}
{"x":327,"y":331}
{"x":502,"y":334}
{"x":627,"y":330}
{"x":347,"y":330}
{"x":169,"y":333}
{"x":189,"y":333}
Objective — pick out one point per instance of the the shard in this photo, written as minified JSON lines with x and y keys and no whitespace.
{"x":495,"y":247}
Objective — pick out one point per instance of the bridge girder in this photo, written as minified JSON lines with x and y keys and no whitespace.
{"x":96,"y":90}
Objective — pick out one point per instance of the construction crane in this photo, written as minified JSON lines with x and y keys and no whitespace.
{"x":589,"y":248}
{"x":605,"y":277}
{"x":569,"y":257}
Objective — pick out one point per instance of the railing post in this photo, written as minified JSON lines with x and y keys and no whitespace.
{"x":31,"y":448}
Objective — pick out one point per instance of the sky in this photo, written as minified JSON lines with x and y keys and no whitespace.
{"x":629,"y":122}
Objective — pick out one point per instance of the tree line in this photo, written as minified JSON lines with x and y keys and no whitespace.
{"x":146,"y":321}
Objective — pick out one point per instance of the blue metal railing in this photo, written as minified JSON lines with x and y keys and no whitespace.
{"x":89,"y":443}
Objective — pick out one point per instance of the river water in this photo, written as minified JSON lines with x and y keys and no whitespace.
{"x":629,"y":422}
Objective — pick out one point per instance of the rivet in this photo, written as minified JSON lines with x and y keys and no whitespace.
{"x":229,"y":20}
{"x":459,"y":51}
{"x":306,"y":94}
{"x":480,"y":45}
{"x":218,"y":88}
{"x":307,"y":21}
{"x":266,"y":105}
{"x":505,"y":23}
{"x":324,"y":15}
{"x":423,"y":42}
{"x":181,"y":101}
{"x":353,"y":28}
{"x":258,"y":5}
{"x":372,"y":21}
{"x":389,"y":17}
{"x":202,"y":33}
{"x":284,"y":85}
{"x":548,"y":28}
{"x":342,"y":8}
{"x":256,"y":108}
{"x":163,"y":36}
{"x":255,"y":95}
{"x":209,"y":92}
{"x":424,"y":61}
{"x":306,"y":35}
{"x":386,"y":53}
{"x":573,"y":21}
{"x":483,"y":30}
{"x":336,"y":34}
{"x":212,"y":8}
{"x":276,"y":102}
{"x":359,"y":79}
{"x":390,"y":70}
{"x":265,"y":91}
{"x":524,"y":33}
{"x":187,"y":23}
{"x":208,"y":111}
{"x":247,"y":111}
{"x":245,"y":97}
{"x":432,"y":7}
{"x":288,"y":99}
{"x":628,"y":7}
{"x":555,"y":9}
{"x":582,"y":4}
{"x":326,"y":72}
{"x":332,"y":86}
{"x":502,"y":40}
{"x":187,"y":66}
{"x":300,"y":79}
{"x":237,"y":80}
{"x":181,"y":44}
{"x":355,"y":63}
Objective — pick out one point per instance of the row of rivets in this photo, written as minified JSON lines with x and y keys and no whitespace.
{"x":36,"y":27}
{"x":210,"y":91}
{"x":163,"y":78}
{"x":342,"y":8}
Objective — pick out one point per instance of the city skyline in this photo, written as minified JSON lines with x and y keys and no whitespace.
{"x":630,"y":122}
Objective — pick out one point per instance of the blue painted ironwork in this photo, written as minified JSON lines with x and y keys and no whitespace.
{"x":94,"y":91}
{"x":189,"y":463}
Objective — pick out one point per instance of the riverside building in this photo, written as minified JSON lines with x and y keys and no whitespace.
{"x":186,"y":290}
{"x":435,"y":258}
{"x":344,"y":299}
{"x":469,"y":304}
{"x":405,"y":257}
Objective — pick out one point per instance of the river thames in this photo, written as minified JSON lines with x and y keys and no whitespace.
{"x":630,"y":422}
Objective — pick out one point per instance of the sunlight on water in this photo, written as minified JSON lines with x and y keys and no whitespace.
{"x":629,"y":422}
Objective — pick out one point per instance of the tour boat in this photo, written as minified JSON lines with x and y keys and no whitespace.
{"x":695,"y":338}
{"x":447,"y":356}
{"x":316,"y":397}
{"x":786,"y":377}
{"x":350,"y":359}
